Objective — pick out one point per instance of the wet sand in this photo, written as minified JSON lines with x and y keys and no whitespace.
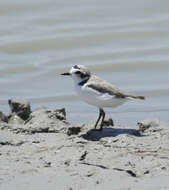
{"x":47,"y":152}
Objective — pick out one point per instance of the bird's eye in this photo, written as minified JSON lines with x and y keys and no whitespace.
{"x":78,"y":72}
{"x":76,"y":67}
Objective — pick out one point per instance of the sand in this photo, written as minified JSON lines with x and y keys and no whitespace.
{"x":45,"y":151}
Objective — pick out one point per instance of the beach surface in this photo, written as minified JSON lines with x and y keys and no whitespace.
{"x":42,"y":150}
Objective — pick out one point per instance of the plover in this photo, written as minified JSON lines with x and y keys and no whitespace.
{"x":97,"y":92}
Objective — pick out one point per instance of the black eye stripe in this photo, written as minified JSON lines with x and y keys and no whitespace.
{"x":76,"y":67}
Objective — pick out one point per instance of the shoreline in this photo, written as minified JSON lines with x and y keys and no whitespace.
{"x":41,"y":149}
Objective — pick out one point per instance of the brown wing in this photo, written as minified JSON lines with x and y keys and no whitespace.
{"x":103,"y":86}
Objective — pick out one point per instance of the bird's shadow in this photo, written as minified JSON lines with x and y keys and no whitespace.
{"x":96,"y":135}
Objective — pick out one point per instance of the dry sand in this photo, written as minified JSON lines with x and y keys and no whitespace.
{"x":46,"y":152}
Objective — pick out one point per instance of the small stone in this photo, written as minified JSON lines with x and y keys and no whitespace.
{"x":73,"y":130}
{"x":146,"y":124}
{"x":147,"y":172}
{"x":61,"y":113}
{"x":15,"y":119}
{"x":47,"y":164}
{"x":3,"y":117}
{"x":108,"y":122}
{"x":20,"y":107}
{"x":58,"y":113}
{"x":67,"y":162}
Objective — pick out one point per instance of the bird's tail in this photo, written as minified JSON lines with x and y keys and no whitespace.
{"x":135,"y":97}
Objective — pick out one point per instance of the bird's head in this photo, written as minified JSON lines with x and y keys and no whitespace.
{"x":79,"y":73}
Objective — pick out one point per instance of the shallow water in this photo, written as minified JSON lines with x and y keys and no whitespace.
{"x":126,"y":43}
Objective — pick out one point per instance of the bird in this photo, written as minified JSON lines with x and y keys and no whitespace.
{"x":97,"y":92}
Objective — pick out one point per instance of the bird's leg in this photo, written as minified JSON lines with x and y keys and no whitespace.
{"x":100,"y":114}
{"x":103,"y":116}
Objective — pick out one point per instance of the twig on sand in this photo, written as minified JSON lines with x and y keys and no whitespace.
{"x":97,"y":165}
{"x":128,"y":171}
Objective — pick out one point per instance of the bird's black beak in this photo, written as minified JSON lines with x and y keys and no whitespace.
{"x":66,"y":74}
